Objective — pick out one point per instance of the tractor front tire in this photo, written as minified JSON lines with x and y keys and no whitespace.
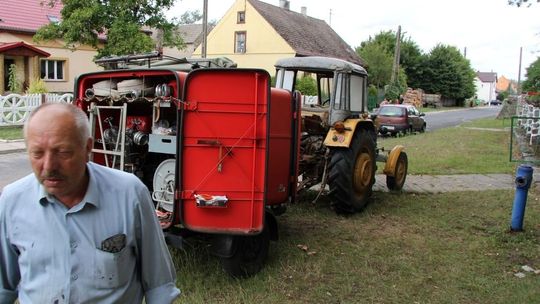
{"x":352,"y":173}
{"x":396,"y":182}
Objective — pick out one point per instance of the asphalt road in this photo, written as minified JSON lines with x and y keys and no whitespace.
{"x":12,"y":167}
{"x":445,"y":119}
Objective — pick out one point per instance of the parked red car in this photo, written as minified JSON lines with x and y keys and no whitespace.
{"x":394,"y":118}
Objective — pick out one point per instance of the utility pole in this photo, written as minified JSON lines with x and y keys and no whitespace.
{"x":395,"y":67}
{"x":330,"y":18}
{"x":205,"y":28}
{"x":519,"y":72}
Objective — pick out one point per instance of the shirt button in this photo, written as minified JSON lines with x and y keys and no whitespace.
{"x":73,"y":245}
{"x":74,"y":277}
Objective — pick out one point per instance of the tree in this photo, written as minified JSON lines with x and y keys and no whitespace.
{"x":532,"y":83}
{"x":386,"y":39}
{"x":411,"y":58}
{"x":379,"y":63}
{"x":413,"y":62}
{"x":307,"y":85}
{"x":443,"y":71}
{"x":190,"y":17}
{"x":86,"y":21}
{"x":449,"y":73}
{"x":503,"y":95}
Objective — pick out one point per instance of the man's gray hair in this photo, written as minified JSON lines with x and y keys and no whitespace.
{"x":81,"y":120}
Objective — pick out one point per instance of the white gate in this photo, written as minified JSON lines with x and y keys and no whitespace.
{"x":15,"y":108}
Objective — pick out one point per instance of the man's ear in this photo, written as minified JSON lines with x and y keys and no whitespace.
{"x":89,"y":144}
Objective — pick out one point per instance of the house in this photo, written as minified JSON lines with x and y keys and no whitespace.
{"x":485,"y":83}
{"x":192,"y":34}
{"x":504,"y":84}
{"x":256,"y":34}
{"x":50,"y":61}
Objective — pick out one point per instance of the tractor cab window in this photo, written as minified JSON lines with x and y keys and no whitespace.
{"x":285,"y":79}
{"x":358,"y":94}
{"x":341,"y":101}
{"x":350,"y":93}
{"x":325,"y":85}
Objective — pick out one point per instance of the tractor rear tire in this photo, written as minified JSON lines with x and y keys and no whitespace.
{"x":396,"y":182}
{"x":250,"y":255}
{"x":352,"y":173}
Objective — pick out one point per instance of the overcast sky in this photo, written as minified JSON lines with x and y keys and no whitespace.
{"x":491,"y":31}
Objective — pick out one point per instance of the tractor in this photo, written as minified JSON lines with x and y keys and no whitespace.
{"x":222,"y":152}
{"x":338,"y":140}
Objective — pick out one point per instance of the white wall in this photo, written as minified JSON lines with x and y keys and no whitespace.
{"x":484,"y":90}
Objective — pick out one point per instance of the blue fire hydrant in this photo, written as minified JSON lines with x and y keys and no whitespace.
{"x":523,"y":182}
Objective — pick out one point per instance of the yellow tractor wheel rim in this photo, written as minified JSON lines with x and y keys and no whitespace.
{"x":362,"y":173}
{"x":400,"y":171}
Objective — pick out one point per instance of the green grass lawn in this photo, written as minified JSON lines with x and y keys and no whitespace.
{"x":404,"y":248}
{"x":10,"y":133}
{"x":473,"y":147}
{"x":445,"y":248}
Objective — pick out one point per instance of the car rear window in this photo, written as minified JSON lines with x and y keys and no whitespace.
{"x":392,"y":111}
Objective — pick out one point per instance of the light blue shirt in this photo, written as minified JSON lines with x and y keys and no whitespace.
{"x":50,"y":254}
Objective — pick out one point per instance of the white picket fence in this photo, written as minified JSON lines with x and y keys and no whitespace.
{"x":15,"y":108}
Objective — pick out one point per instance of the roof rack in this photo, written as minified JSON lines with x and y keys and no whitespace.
{"x":158,"y":60}
{"x":123,"y":61}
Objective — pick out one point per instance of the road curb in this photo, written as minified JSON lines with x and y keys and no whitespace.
{"x":17,"y":150}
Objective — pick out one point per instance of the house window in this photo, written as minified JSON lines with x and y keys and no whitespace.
{"x":240,"y":42}
{"x":53,"y":19}
{"x":52,"y":69}
{"x":241,"y":17}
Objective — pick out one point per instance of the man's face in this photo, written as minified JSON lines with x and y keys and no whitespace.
{"x":57,"y":155}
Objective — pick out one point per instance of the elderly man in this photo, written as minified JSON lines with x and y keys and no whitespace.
{"x":77,"y":232}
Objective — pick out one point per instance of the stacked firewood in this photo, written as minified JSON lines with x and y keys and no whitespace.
{"x":413,"y":97}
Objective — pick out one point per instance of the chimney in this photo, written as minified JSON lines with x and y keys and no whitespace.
{"x":284,"y":4}
{"x":303,"y":10}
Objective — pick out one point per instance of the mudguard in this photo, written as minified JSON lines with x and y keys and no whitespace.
{"x":336,"y":139}
{"x":343,"y":140}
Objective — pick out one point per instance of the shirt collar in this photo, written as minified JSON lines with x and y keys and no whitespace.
{"x":91,"y":196}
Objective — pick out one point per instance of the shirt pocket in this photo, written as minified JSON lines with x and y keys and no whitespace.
{"x":113,"y":269}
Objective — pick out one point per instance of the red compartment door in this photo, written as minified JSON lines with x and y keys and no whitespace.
{"x":224,"y":145}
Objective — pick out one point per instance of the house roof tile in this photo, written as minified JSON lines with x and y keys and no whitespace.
{"x":190,"y":33}
{"x":487,"y":76}
{"x":308,"y":36}
{"x":6,"y":47}
{"x":27,"y":16}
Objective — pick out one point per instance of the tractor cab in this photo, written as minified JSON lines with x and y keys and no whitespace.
{"x":338,"y":141}
{"x":341,"y":86}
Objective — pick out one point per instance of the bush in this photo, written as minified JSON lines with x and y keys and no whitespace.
{"x":37,"y":87}
{"x":392,"y":92}
{"x":534,"y":100}
{"x":307,"y":86}
{"x":503,"y":95}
